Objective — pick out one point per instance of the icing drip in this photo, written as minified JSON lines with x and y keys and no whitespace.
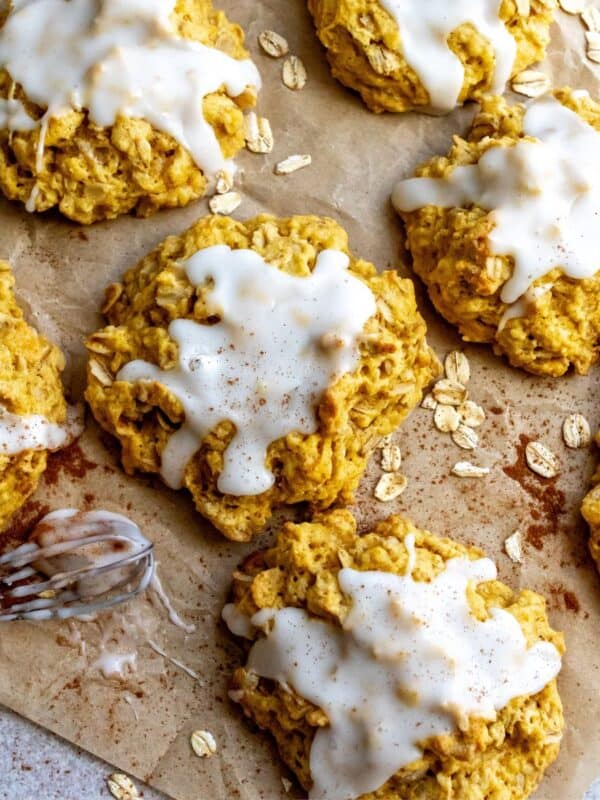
{"x":280,"y":342}
{"x":424,"y":30}
{"x":543,"y":195}
{"x":117,"y":58}
{"x":409,"y":662}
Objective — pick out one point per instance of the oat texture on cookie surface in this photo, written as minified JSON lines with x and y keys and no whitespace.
{"x":111,"y":107}
{"x":257,"y":364}
{"x":34,"y":418}
{"x":407,"y":54}
{"x":504,"y":233}
{"x":394,"y":664}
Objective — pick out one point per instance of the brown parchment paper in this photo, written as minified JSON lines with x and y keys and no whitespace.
{"x":142,"y":724}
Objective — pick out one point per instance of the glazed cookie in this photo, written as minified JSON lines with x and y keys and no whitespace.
{"x":99,"y":116}
{"x":394,"y":665}
{"x":257,"y":364}
{"x":33,"y":411}
{"x":504,"y":231}
{"x":408,"y":54}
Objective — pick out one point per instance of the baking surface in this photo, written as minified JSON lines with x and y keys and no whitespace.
{"x":37,"y":765}
{"x":143,"y":724}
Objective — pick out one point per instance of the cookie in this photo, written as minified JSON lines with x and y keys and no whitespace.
{"x":394,"y":665}
{"x":503,"y":231}
{"x":33,"y":411}
{"x":100,"y":117}
{"x":257,"y":364}
{"x":430,"y":56}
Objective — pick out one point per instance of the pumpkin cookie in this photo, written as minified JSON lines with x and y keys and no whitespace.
{"x":257,"y":364}
{"x":33,"y":410}
{"x":504,"y":232}
{"x":407,"y":54}
{"x":394,"y":665}
{"x":100,"y":116}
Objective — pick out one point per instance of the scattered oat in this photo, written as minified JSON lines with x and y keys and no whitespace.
{"x":100,"y":373}
{"x":391,"y":458}
{"x":273,"y":44}
{"x":122,"y":787}
{"x":464,"y":469}
{"x":383,"y":61}
{"x":591,"y":19}
{"x":429,"y":402}
{"x":593,"y":46}
{"x":203,"y":744}
{"x":390,"y":486}
{"x":293,"y":73}
{"x":471,"y":414}
{"x":576,"y":431}
{"x":287,"y":785}
{"x":293,"y":164}
{"x":457,"y":367}
{"x":224,"y":182}
{"x":450,"y":393}
{"x":259,"y":136}
{"x":572,"y":6}
{"x":512,"y":545}
{"x":465,"y":437}
{"x":446,"y":418}
{"x":541,"y":460}
{"x":523,"y":7}
{"x":531,"y":83}
{"x":224,"y":203}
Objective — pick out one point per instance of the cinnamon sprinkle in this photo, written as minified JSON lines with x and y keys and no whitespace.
{"x":549,"y":504}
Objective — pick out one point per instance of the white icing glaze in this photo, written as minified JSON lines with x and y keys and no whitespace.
{"x":112,"y":665}
{"x":14,"y":116}
{"x":35,"y":432}
{"x":410,"y":662}
{"x":239,"y":624}
{"x":543,"y":196}
{"x":524,"y":305}
{"x":281,"y":341}
{"x":425,"y":26}
{"x":174,"y":617}
{"x":118,"y":58}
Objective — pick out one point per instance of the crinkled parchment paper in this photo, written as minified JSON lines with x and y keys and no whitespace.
{"x":142,"y":724}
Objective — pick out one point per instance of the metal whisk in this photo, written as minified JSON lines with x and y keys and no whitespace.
{"x":35,"y":585}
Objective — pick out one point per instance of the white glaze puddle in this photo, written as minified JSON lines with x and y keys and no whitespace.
{"x":118,"y":58}
{"x":411,"y":662}
{"x":543,"y":196}
{"x":425,"y":26}
{"x":281,"y":341}
{"x":114,"y":665}
{"x":34,"y":432}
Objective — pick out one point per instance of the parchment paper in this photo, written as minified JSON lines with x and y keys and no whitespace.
{"x":142,"y":724}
